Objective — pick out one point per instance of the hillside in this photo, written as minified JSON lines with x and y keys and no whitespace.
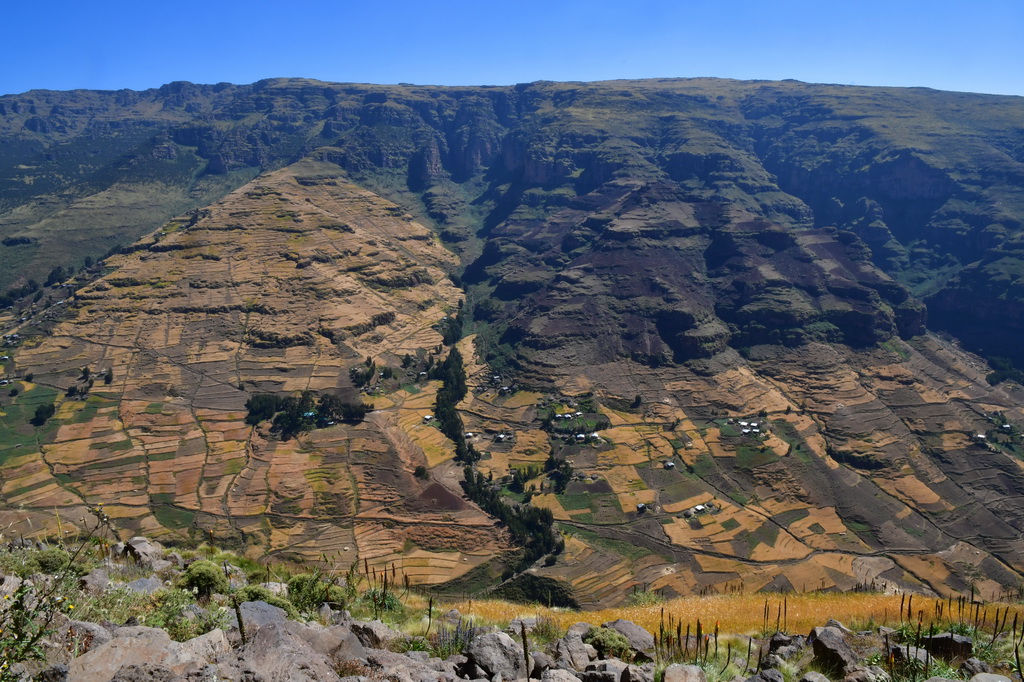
{"x":701,"y":322}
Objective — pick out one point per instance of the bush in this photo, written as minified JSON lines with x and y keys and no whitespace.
{"x":608,"y":643}
{"x":204,"y":578}
{"x":382,"y":602}
{"x":52,"y":560}
{"x":169,"y":614}
{"x":260,"y":593}
{"x":308,"y":591}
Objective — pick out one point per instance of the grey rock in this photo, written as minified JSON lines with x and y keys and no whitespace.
{"x":788,"y":652}
{"x":541,"y":662}
{"x":989,"y":677}
{"x":974,"y":666}
{"x":638,"y":673}
{"x":497,"y":654}
{"x":571,"y":653}
{"x":144,"y":585}
{"x":833,"y":623}
{"x":135,"y":645}
{"x":143,"y":672}
{"x":831,"y":651}
{"x":607,"y":670}
{"x":144,"y":551}
{"x":812,"y":676}
{"x":451,"y":616}
{"x":558,"y":675}
{"x":904,"y":654}
{"x":779,"y":640}
{"x":78,"y":637}
{"x":276,"y":589}
{"x":948,"y":645}
{"x":579,"y":629}
{"x":772,"y":661}
{"x":517,"y":624}
{"x":640,"y":641}
{"x":869,"y":673}
{"x":684,"y":673}
{"x":374,"y":634}
{"x":279,"y":651}
{"x":258,"y":614}
{"x":768,"y":675}
{"x":95,"y":582}
{"x":57,"y":673}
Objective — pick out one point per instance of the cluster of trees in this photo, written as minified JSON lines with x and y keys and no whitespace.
{"x":1004,"y":370}
{"x":453,"y":375}
{"x":292,"y":415}
{"x":530,"y":527}
{"x":560,"y":473}
{"x":520,"y":476}
{"x":43,"y":412}
{"x":364,"y":375}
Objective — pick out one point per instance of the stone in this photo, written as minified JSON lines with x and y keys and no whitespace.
{"x":571,"y":652}
{"x":772,"y":661}
{"x":579,"y":629}
{"x":374,"y":634}
{"x":833,"y":623}
{"x":638,"y":673}
{"x":144,"y":585}
{"x":276,"y":589}
{"x":640,"y":641}
{"x":973,"y":666}
{"x":831,"y":651}
{"x":989,"y":677}
{"x":541,"y":662}
{"x":558,"y":675}
{"x":78,"y":636}
{"x":948,"y":645}
{"x":813,"y":676}
{"x":902,"y":653}
{"x":516,"y":625}
{"x":497,"y":654}
{"x":869,"y":673}
{"x":145,"y":552}
{"x":143,"y":672}
{"x":779,"y":640}
{"x":57,"y":673}
{"x":95,"y":582}
{"x":683,"y":673}
{"x":767,"y":675}
{"x":279,"y":651}
{"x":257,"y":614}
{"x":607,"y":670}
{"x":135,"y":645}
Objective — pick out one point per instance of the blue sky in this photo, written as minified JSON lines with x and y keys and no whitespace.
{"x":974,"y":46}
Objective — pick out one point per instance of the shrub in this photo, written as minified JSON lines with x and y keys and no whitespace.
{"x":260,"y":593}
{"x":308,"y":591}
{"x":170,"y":607}
{"x":608,"y":643}
{"x":204,"y":578}
{"x":52,"y":560}
{"x":382,"y":601}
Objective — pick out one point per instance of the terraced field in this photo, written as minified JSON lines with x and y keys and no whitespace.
{"x":283,"y":286}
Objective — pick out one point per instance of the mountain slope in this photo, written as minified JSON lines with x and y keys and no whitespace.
{"x":705,"y":307}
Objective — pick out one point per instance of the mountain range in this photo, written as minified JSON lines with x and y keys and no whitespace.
{"x":729,"y":335}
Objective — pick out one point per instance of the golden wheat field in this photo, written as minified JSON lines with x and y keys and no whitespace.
{"x":745,"y":614}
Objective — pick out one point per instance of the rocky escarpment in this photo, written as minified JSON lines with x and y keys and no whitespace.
{"x":924,"y":178}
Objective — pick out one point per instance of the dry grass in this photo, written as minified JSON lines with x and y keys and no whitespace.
{"x":735,"y":614}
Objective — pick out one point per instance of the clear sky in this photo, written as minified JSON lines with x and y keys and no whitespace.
{"x":973,"y":45}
